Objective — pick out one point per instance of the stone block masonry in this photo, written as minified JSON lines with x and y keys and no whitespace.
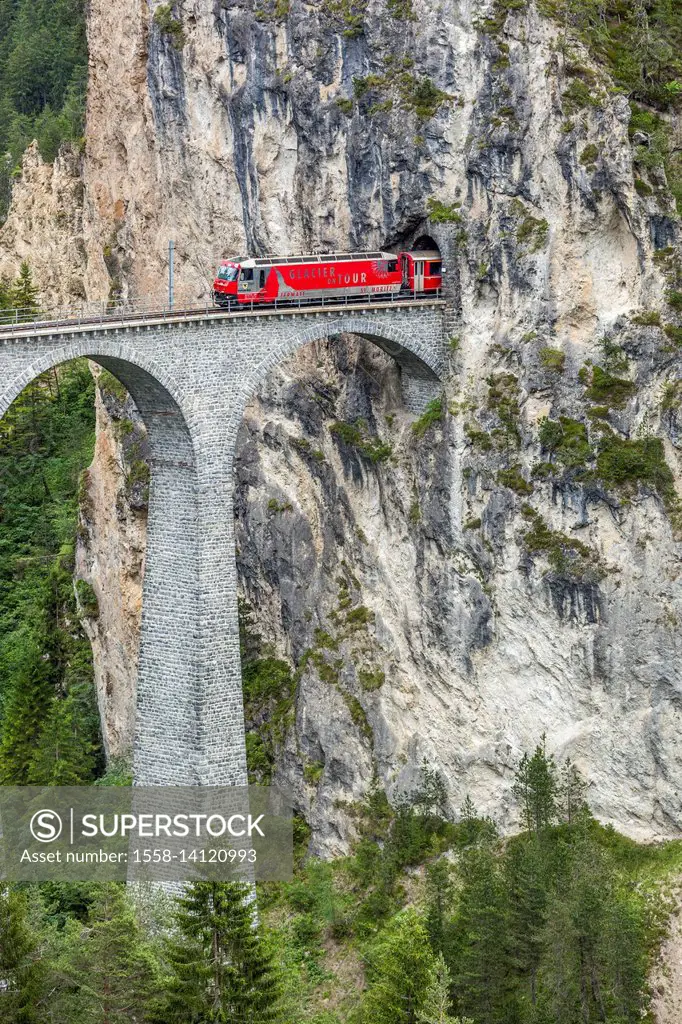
{"x":191,"y":380}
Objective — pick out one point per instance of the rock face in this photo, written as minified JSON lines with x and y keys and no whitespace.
{"x":454,"y":591}
{"x":110,"y":556}
{"x":45,"y":226}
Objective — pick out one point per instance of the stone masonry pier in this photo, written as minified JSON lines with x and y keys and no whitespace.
{"x":191,"y":378}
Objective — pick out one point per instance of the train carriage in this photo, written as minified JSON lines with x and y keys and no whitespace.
{"x":273,"y":279}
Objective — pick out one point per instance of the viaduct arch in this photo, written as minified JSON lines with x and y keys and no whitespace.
{"x":191,"y":379}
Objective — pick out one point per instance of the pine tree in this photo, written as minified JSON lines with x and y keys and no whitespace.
{"x":571,"y":793}
{"x":24,"y":294}
{"x":437,"y":1001}
{"x":108,"y":972}
{"x":536,"y":789}
{"x":221,"y":967}
{"x":440,"y":892}
{"x":21,"y":970}
{"x":401,"y":969}
{"x":483,"y":966}
{"x":527,"y":878}
{"x":26,"y":706}
{"x":65,"y":754}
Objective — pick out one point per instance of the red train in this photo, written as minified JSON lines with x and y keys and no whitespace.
{"x":294,"y":278}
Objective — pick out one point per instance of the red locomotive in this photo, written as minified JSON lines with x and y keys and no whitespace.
{"x":337,"y":275}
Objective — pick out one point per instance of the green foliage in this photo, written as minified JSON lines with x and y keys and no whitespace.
{"x":642,"y":188}
{"x":567,"y":440}
{"x":170,"y":26}
{"x":436,"y":1006}
{"x":413,"y":94}
{"x":514,"y":479}
{"x":648,"y":318}
{"x":606,"y":389}
{"x":221,"y":968}
{"x":638,"y":44}
{"x":87,"y":599}
{"x":356,"y":435}
{"x":401,"y":10}
{"x":503,"y":399}
{"x":23,"y":295}
{"x":433,"y":414}
{"x":533,"y":232}
{"x":21,"y":969}
{"x":590,"y":155}
{"x":106,"y":966}
{"x":568,"y":558}
{"x":43,"y":74}
{"x":480,"y":439}
{"x":627,"y":464}
{"x":536,"y":789}
{"x":553,"y":359}
{"x":559,"y":923}
{"x":495,"y":23}
{"x":671,"y":398}
{"x":401,"y":969}
{"x":371,"y":679}
{"x":49,"y":728}
{"x":348,"y":15}
{"x":443,"y":213}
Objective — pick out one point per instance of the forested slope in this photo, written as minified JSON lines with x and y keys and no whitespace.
{"x":43,"y":78}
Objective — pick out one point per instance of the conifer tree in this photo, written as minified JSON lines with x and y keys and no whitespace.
{"x":401,"y":969}
{"x":483,"y":966}
{"x":437,"y":1001}
{"x":536,"y":789}
{"x":108,"y":973}
{"x":221,"y":968}
{"x":65,"y":753}
{"x":21,"y":970}
{"x":527,"y":878}
{"x":26,"y":706}
{"x":24,"y":294}
{"x":440,"y":898}
{"x":571,"y":793}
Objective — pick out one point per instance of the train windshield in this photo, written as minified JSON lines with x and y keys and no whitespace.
{"x":228,"y":273}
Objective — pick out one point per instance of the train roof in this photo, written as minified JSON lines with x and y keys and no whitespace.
{"x":325,"y":257}
{"x":424,"y":254}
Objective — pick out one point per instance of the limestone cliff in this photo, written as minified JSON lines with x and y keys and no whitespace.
{"x":453,"y":591}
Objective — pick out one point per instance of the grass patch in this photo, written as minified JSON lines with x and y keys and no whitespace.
{"x":170,"y":26}
{"x":553,"y":359}
{"x":567,"y":556}
{"x":355,"y":435}
{"x":609,"y":390}
{"x":648,"y":318}
{"x":627,"y":464}
{"x":443,"y":213}
{"x":567,"y":440}
{"x":514,"y":479}
{"x":433,"y":414}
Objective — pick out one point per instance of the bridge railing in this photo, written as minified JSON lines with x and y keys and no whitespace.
{"x":93,"y":313}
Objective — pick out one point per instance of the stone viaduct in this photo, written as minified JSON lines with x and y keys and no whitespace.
{"x":191,"y":377}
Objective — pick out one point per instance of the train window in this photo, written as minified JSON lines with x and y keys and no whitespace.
{"x":436,"y":268}
{"x":228,"y":273}
{"x":247,"y":275}
{"x":261,"y":282}
{"x":392,"y":266}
